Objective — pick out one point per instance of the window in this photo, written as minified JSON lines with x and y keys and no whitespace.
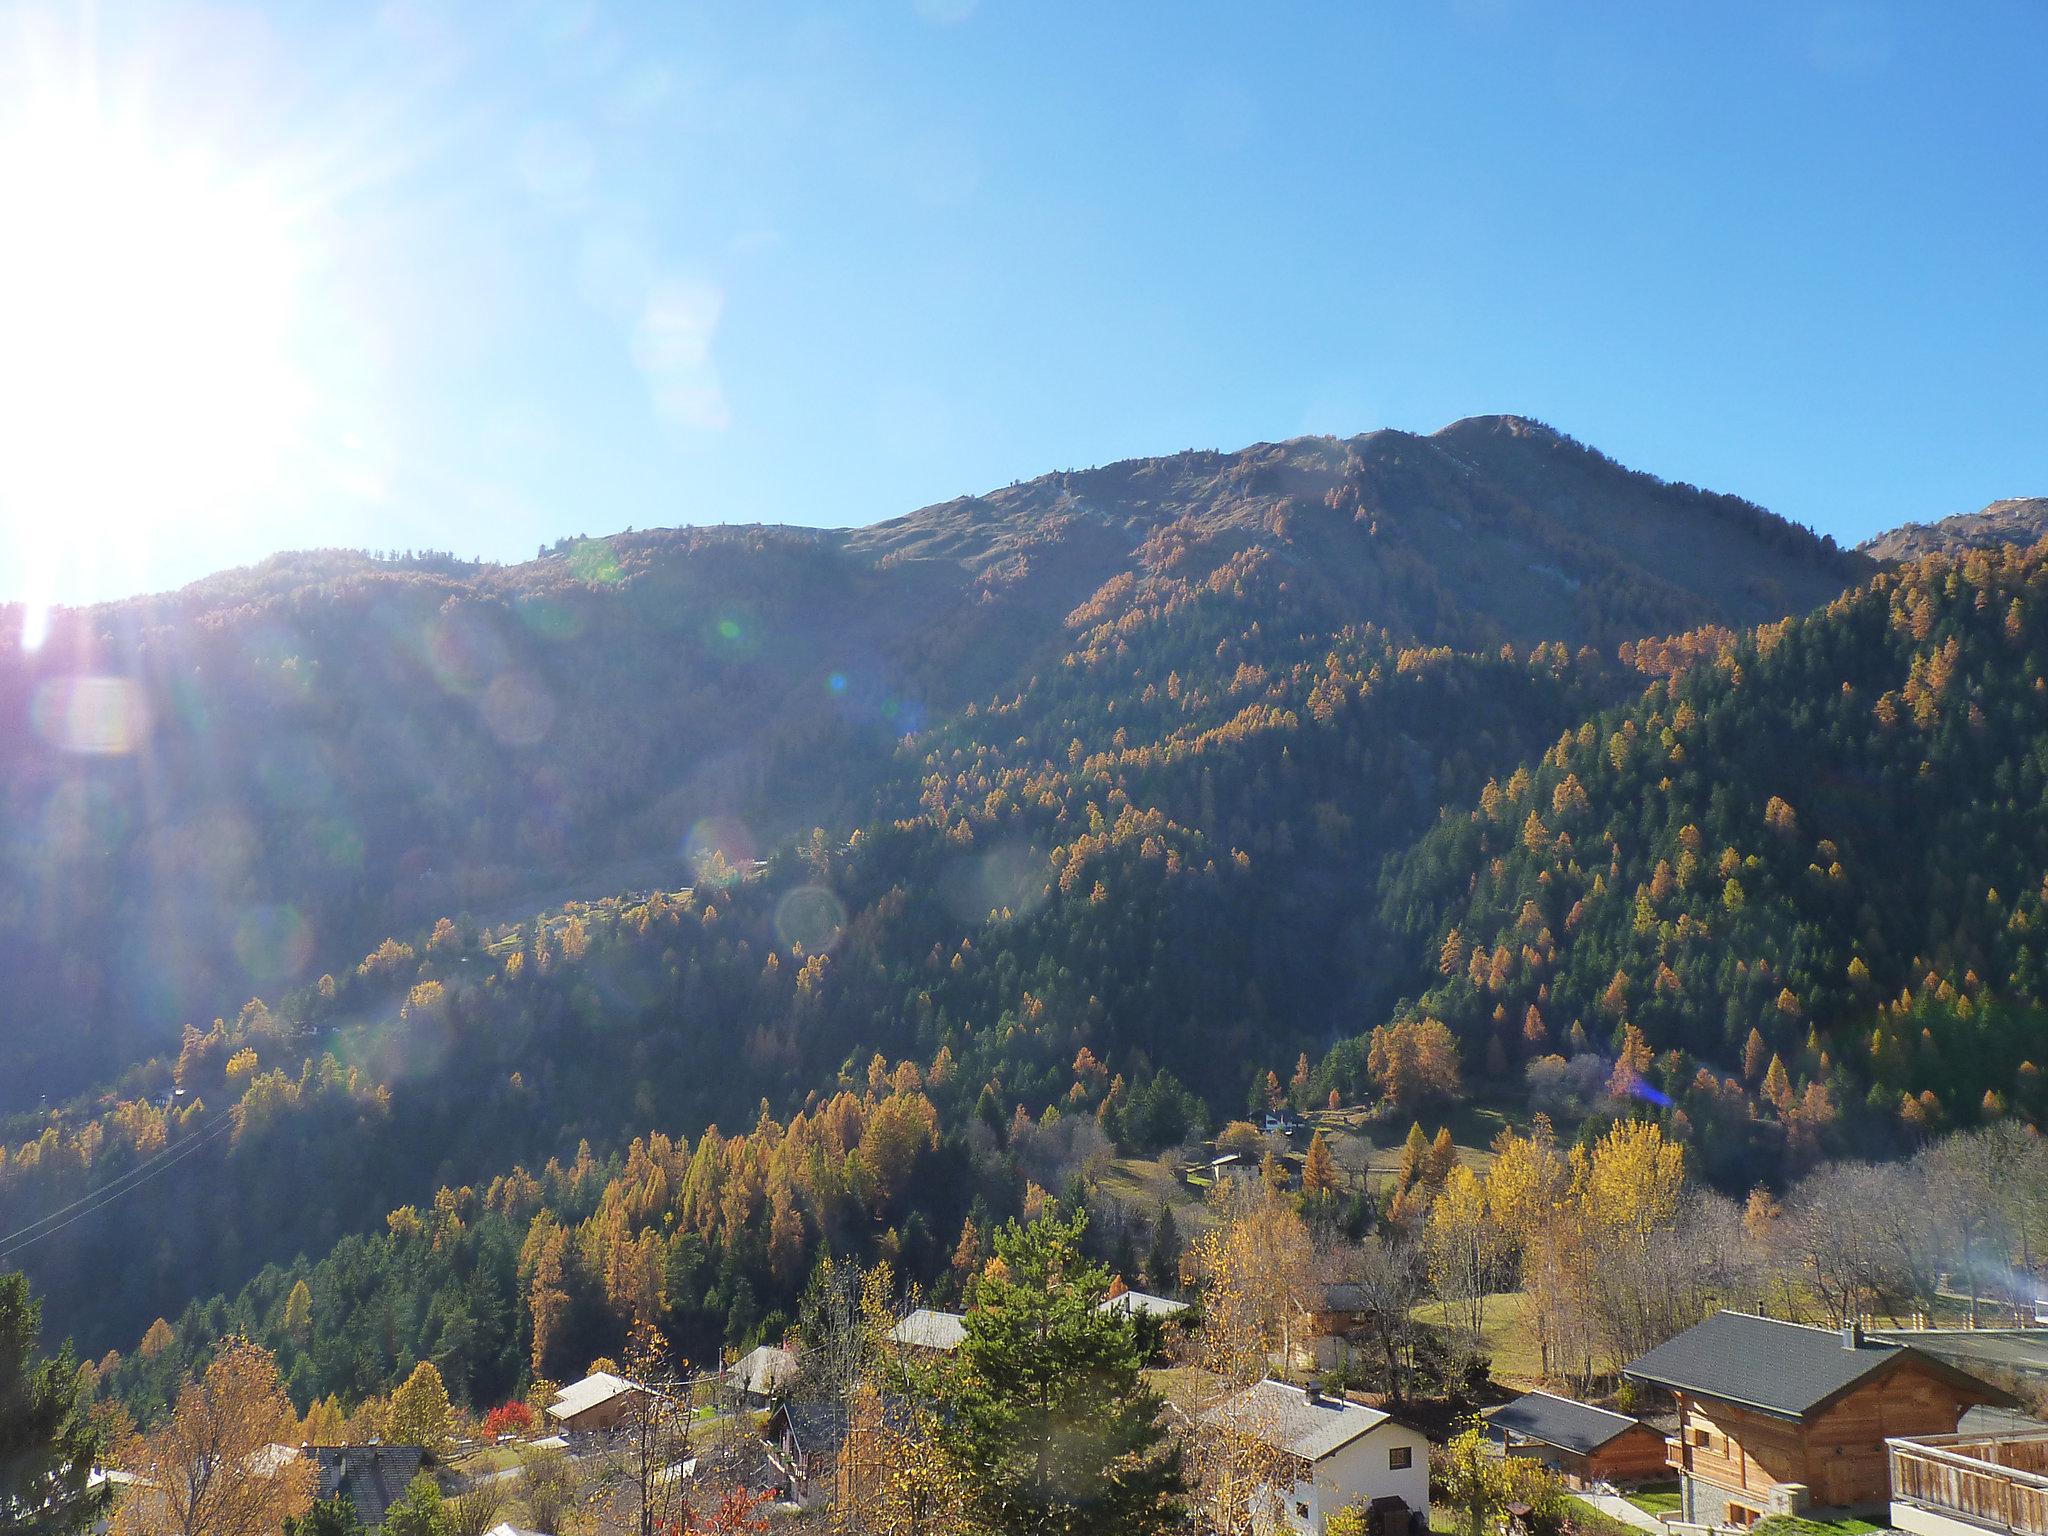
{"x":1703,"y":1437}
{"x":1301,"y":1508}
{"x":1400,"y":1458}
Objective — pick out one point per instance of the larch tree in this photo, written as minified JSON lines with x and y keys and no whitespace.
{"x":420,"y":1414}
{"x":216,"y":1467}
{"x":1319,"y":1177}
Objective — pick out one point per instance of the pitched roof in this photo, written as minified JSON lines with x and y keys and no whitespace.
{"x":926,"y":1329}
{"x":372,"y":1477}
{"x":1787,"y":1369}
{"x":766,"y":1370}
{"x":1559,"y":1421}
{"x":1288,"y":1419}
{"x":1145,"y":1302}
{"x":597,"y":1388}
{"x":1343,"y":1296}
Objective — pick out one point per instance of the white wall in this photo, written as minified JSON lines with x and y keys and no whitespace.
{"x":1359,"y":1474}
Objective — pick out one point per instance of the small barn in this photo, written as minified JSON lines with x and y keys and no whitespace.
{"x":1586,"y":1445}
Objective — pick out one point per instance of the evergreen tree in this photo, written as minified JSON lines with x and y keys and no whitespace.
{"x":1162,"y":1262}
{"x":1051,"y":1424}
{"x":328,"y":1517}
{"x":48,"y":1444}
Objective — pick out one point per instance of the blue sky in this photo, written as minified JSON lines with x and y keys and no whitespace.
{"x":560,"y":269}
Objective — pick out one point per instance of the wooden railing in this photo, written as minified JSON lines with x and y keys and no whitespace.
{"x":1992,"y":1480}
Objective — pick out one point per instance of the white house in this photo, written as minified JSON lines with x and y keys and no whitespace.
{"x":1341,"y":1453}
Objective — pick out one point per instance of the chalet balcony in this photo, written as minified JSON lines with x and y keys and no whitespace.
{"x":1956,"y":1485}
{"x":1676,"y":1454}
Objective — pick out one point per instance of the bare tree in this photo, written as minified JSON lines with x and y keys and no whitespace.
{"x":643,"y":1472}
{"x":1392,"y":1280}
{"x":1863,"y":1234}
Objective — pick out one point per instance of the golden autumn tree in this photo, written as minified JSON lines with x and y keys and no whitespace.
{"x":1319,"y":1177}
{"x":420,"y":1414}
{"x":215,"y":1467}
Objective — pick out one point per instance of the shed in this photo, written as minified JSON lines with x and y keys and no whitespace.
{"x":1585,"y":1444}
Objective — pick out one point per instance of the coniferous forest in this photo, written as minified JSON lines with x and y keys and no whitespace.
{"x":508,"y":955}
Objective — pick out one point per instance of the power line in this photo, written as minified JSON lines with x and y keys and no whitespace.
{"x":168,"y":1150}
{"x":101,"y":1198}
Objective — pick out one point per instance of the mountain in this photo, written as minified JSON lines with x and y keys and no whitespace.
{"x":2021,"y":520}
{"x":234,"y":789}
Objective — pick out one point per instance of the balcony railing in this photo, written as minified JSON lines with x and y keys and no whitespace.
{"x":1996,"y":1481}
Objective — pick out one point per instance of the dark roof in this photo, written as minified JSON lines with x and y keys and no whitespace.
{"x":1342,"y":1296}
{"x":1780,"y":1368}
{"x":374,"y":1477}
{"x":1559,"y":1421}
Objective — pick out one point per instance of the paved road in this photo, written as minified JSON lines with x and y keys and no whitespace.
{"x":1620,"y":1508}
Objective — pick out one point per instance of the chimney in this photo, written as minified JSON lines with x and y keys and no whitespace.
{"x":1314,"y":1394}
{"x":1852,"y":1334}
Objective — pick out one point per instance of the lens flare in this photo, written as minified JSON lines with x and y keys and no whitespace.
{"x":718,"y":849}
{"x":517,"y":709}
{"x":91,"y":716}
{"x":809,"y":918}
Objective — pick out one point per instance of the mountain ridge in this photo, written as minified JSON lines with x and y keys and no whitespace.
{"x":2021,"y":520}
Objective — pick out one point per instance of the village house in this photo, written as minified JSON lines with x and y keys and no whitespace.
{"x":1339,"y":1317}
{"x":1583,"y":1444}
{"x":594,"y":1405}
{"x":371,"y":1477}
{"x":1337,"y":1454}
{"x":763,"y":1375}
{"x":930,"y":1332}
{"x":1143,"y":1304}
{"x":1777,"y":1418}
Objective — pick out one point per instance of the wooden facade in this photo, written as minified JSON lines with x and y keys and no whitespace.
{"x":1633,"y":1456}
{"x":1837,"y":1452}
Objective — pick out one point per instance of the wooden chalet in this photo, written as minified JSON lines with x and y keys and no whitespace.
{"x":1586,"y":1445}
{"x":1775,"y":1418}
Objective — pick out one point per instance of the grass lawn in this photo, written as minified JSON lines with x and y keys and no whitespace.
{"x":1792,"y":1525}
{"x":1508,"y":1340}
{"x":1588,"y":1521}
{"x":1659,"y":1499}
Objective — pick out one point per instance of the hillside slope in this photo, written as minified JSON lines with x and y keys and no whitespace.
{"x":1825,"y":848}
{"x":2021,"y":520}
{"x":232,"y":789}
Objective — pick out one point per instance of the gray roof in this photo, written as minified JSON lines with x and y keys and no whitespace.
{"x":927,"y":1329}
{"x":1287,"y":1419}
{"x":1145,"y":1302}
{"x":1343,"y":1296}
{"x":372,"y":1477}
{"x":765,"y":1370}
{"x":1559,"y":1421}
{"x":1781,"y":1368}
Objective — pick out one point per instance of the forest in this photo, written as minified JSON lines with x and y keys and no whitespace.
{"x":1767,"y":886}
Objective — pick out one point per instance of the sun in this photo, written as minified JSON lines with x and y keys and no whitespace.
{"x":147,"y":304}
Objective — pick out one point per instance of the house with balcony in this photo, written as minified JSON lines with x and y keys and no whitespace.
{"x":1965,"y":1484}
{"x":1776,"y":1418}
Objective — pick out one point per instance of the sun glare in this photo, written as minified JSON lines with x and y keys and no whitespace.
{"x":146,"y":370}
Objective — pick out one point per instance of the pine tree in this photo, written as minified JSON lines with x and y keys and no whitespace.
{"x":48,"y":1443}
{"x":1047,"y":1416}
{"x":1162,"y":1261}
